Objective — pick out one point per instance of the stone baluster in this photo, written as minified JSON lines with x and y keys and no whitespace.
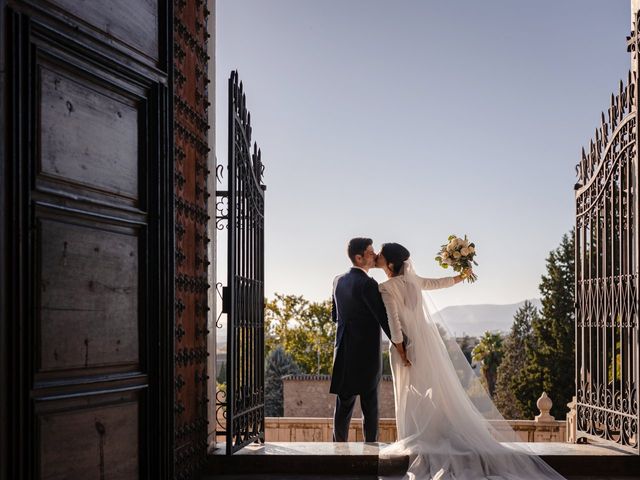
{"x":544,"y":404}
{"x":545,"y":430}
{"x":572,"y":430}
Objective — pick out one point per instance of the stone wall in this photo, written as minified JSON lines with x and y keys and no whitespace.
{"x":307,"y":396}
{"x":290,"y":429}
{"x":308,"y":415}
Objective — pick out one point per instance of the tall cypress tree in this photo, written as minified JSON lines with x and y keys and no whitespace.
{"x":550,"y":360}
{"x":513,"y":388}
{"x":222,"y":374}
{"x":557,"y":333}
{"x":278,"y":364}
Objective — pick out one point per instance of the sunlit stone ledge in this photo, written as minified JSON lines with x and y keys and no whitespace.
{"x":298,"y":429}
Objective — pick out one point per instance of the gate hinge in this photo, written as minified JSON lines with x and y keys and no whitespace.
{"x":225,"y":300}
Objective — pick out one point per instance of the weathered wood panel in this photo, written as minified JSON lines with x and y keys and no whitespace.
{"x":89,"y":228}
{"x":91,"y":443}
{"x":87,"y":135}
{"x":133,"y":22}
{"x":88,"y":296}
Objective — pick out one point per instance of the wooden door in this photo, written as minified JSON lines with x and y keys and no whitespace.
{"x":87,"y":237}
{"x":191,"y":99}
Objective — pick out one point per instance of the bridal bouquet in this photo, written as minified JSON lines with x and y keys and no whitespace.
{"x":458,"y":254}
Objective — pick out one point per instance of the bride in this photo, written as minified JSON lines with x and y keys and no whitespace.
{"x":442,"y":411}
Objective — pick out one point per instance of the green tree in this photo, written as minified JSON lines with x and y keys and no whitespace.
{"x":386,"y":363}
{"x":317,"y":337}
{"x":280,"y":318}
{"x":304,"y":329}
{"x":550,"y":363}
{"x":513,"y":388}
{"x":467,"y":344}
{"x":222,"y":373}
{"x":278,"y":364}
{"x":489,"y":353}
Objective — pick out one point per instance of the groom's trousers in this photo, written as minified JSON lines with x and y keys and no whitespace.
{"x":344,"y":410}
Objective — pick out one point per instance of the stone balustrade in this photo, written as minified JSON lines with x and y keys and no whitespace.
{"x":292,"y":429}
{"x":544,"y":428}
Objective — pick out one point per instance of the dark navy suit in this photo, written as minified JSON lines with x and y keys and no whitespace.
{"x":357,"y":361}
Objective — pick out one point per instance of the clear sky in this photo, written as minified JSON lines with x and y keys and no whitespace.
{"x":410,"y":120}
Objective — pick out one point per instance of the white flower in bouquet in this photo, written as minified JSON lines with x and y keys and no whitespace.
{"x":458,"y":253}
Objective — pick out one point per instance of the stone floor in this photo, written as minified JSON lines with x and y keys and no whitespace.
{"x":599,"y":449}
{"x":359,"y":461}
{"x":373,"y":449}
{"x":362,"y":477}
{"x":310,"y":448}
{"x":296,"y":477}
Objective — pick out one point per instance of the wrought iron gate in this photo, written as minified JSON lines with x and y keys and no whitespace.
{"x":607,"y":267}
{"x":243,"y":297}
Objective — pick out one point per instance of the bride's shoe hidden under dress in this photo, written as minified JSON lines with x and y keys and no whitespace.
{"x":438,"y":399}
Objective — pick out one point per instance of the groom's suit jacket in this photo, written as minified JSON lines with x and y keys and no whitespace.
{"x":359,"y":312}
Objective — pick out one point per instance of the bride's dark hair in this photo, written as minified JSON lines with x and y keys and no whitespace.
{"x":396,"y":255}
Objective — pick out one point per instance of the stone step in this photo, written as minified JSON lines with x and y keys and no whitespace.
{"x":602,"y":478}
{"x":601,"y":460}
{"x":250,"y":476}
{"x":352,"y":461}
{"x":280,"y":476}
{"x":304,"y":458}
{"x":294,"y":477}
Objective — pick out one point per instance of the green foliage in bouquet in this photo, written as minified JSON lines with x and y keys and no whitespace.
{"x":459,"y":254}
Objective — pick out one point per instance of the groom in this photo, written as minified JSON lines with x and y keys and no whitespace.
{"x":357,"y":360}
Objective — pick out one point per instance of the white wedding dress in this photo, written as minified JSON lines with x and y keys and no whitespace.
{"x":442,"y":410}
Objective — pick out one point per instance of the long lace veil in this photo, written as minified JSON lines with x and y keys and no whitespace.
{"x":469,"y":379}
{"x":447,"y":413}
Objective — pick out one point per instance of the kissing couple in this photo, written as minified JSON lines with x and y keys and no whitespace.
{"x":438,"y":424}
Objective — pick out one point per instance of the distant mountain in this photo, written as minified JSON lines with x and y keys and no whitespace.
{"x":474,"y":320}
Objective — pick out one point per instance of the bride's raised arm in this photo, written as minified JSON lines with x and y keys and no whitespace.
{"x":436,"y":283}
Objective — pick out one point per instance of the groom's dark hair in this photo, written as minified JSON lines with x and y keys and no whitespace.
{"x":357,"y":246}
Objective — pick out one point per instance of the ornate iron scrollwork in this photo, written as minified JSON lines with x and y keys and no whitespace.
{"x":240,"y":209}
{"x":221,"y":299}
{"x":607,"y":273}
